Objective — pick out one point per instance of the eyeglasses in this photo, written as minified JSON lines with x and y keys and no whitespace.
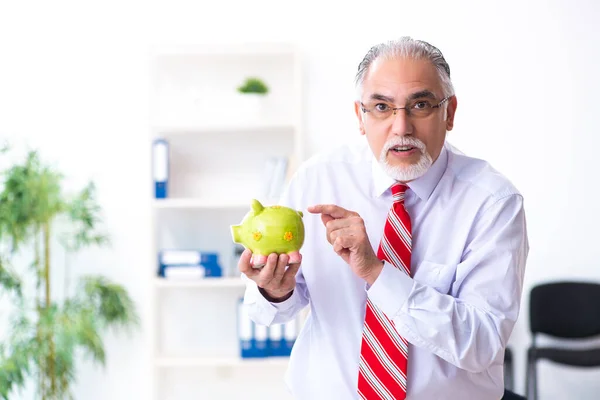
{"x":416,"y":108}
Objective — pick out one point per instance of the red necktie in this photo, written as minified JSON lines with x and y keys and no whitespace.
{"x":384,"y":353}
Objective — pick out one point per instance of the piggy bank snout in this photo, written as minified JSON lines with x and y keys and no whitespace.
{"x":236,"y":233}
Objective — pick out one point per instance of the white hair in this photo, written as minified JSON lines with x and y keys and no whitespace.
{"x":409,"y":48}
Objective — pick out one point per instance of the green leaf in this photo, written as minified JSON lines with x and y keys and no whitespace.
{"x":253,"y":85}
{"x":30,"y":197}
{"x":110,"y":302}
{"x":84,"y":214}
{"x":79,"y":328}
{"x":16,"y":357}
{"x":9,"y":280}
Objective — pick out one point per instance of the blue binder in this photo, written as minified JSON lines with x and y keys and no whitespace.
{"x":245,"y":331}
{"x":160,"y":168}
{"x":261,"y":337}
{"x":209,"y":261}
{"x":277,"y":344}
{"x":290,"y":333}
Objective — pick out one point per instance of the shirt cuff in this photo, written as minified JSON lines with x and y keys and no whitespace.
{"x":266,"y":310}
{"x":390,"y":290}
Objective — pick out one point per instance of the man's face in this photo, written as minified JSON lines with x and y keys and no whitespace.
{"x":405,"y":145}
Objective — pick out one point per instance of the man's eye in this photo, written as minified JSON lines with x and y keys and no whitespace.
{"x":422,"y":105}
{"x":382,"y":107}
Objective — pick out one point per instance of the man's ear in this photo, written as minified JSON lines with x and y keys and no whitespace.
{"x":359,"y":115}
{"x":451,"y":112}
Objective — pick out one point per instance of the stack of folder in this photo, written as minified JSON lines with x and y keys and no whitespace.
{"x":188,"y":264}
{"x":160,"y":168}
{"x":258,"y":341}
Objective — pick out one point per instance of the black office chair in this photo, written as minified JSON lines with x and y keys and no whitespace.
{"x":509,"y":369}
{"x":508,"y":395}
{"x":566,"y":310}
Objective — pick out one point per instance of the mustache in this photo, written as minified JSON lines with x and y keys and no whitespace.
{"x":404,"y":141}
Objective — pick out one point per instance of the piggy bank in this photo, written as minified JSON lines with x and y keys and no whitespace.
{"x":270,"y":229}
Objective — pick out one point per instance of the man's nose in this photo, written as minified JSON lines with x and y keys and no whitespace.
{"x":401,"y":123}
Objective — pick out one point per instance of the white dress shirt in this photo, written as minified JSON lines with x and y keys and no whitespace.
{"x":456,"y":310}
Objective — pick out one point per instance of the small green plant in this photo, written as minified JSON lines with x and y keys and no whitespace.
{"x":253,"y":85}
{"x":46,"y":332}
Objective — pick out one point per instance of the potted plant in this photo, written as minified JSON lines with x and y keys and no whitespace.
{"x":253,"y":85}
{"x":47,"y":332}
{"x":252,"y":94}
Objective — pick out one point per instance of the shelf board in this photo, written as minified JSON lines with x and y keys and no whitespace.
{"x":200,"y":283}
{"x":220,"y":362}
{"x":190,"y":203}
{"x":200,"y":203}
{"x":229,"y":128}
{"x":234,"y":49}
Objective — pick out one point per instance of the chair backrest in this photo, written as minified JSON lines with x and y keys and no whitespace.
{"x":565,"y":309}
{"x":508,"y":395}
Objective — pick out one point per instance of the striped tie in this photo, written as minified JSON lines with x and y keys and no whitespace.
{"x":384,"y":353}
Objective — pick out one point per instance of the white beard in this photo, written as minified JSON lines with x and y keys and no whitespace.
{"x":410,"y":172}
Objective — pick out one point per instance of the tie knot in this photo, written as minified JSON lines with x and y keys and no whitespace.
{"x":398,"y":190}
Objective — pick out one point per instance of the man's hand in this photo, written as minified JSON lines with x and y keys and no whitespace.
{"x":276,"y":280}
{"x":346,"y":232}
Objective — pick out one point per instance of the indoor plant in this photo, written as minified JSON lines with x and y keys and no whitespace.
{"x":253,"y":85}
{"x":251,"y":98}
{"x":47,"y":332}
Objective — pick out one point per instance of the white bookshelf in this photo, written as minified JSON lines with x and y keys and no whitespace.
{"x":207,"y":283}
{"x":208,"y":203}
{"x":205,"y":203}
{"x":210,"y":362}
{"x":250,"y":127}
{"x":217,"y":154}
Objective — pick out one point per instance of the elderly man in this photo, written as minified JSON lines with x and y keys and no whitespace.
{"x":414,"y":256}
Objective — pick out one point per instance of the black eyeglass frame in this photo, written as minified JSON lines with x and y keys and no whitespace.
{"x":395,"y":109}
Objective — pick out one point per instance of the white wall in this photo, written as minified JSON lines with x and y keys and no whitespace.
{"x":74,"y":82}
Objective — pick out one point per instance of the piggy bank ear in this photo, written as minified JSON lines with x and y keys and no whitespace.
{"x":256,"y":206}
{"x":300,"y":214}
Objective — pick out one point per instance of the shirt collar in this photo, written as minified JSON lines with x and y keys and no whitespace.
{"x":422,"y":186}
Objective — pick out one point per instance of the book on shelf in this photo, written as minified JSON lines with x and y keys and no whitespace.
{"x":160,"y":168}
{"x":259,"y":341}
{"x":186,"y":264}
